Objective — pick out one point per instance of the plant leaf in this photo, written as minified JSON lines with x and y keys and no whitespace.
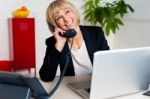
{"x":118,"y":21}
{"x":130,"y":8}
{"x":109,"y":15}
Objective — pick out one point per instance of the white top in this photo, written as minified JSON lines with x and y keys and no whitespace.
{"x":81,"y":60}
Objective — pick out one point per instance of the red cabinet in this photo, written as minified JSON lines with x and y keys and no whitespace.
{"x":5,"y":65}
{"x":23,"y":43}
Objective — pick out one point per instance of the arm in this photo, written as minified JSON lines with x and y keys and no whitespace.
{"x":51,"y":61}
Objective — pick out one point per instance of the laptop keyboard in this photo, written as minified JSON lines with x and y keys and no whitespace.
{"x":88,"y":90}
{"x":147,"y":93}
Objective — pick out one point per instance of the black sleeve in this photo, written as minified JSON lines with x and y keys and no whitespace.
{"x":51,"y":61}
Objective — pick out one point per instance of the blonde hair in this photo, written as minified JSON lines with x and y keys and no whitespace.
{"x":53,"y":9}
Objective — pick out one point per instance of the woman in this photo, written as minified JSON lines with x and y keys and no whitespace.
{"x":61,"y":16}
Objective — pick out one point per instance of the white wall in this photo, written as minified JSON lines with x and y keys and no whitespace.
{"x":134,"y":33}
{"x":37,"y":9}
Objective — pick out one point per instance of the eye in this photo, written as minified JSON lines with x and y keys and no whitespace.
{"x":58,"y":18}
{"x":68,"y":11}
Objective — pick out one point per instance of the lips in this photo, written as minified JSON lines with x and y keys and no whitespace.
{"x":69,"y":23}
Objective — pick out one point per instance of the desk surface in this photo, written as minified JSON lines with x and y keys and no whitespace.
{"x":64,"y":92}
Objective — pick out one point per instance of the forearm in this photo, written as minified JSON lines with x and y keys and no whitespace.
{"x":50,"y":64}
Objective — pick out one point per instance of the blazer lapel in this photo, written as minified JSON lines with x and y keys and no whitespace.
{"x":88,"y":42}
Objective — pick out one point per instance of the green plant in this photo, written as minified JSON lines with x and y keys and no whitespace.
{"x":108,"y":15}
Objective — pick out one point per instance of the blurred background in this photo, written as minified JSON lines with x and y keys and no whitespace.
{"x":134,"y":33}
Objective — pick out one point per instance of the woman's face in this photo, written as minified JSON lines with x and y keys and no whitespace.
{"x":66,"y":19}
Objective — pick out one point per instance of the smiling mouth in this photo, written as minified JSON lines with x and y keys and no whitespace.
{"x":69,"y":23}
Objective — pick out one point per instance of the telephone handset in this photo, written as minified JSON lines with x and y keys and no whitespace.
{"x":69,"y":34}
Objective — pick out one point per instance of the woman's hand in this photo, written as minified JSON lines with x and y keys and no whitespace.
{"x":60,"y":41}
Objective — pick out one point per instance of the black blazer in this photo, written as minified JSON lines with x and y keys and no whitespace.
{"x":95,"y":41}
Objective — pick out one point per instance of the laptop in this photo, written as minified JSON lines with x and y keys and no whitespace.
{"x":116,"y":73}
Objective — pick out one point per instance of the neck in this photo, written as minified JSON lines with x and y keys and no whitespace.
{"x":77,"y":40}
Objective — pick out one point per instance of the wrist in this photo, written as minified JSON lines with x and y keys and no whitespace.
{"x":59,"y":46}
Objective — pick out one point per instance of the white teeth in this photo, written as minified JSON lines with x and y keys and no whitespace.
{"x":70,"y":23}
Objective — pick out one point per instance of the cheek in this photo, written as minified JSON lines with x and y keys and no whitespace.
{"x":74,"y":16}
{"x":60,"y":23}
{"x":76,"y":20}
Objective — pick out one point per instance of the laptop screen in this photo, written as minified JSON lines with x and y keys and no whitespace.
{"x":120,"y":72}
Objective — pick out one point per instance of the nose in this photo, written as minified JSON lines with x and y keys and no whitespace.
{"x":65,"y":17}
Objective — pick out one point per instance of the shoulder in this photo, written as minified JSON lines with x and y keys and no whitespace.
{"x":91,"y":28}
{"x":92,"y":31}
{"x":50,"y":41}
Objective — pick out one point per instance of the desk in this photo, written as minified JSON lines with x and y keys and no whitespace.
{"x":64,"y":92}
